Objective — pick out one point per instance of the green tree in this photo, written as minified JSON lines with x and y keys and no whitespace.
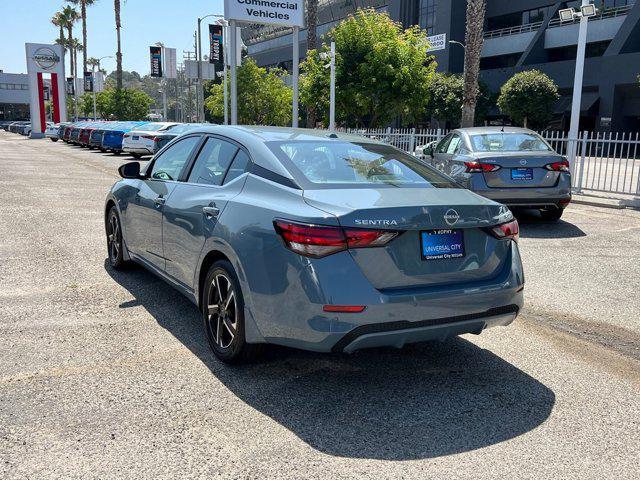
{"x":116,"y":10}
{"x":266,"y":100}
{"x":83,"y":15}
{"x":474,"y":39}
{"x":69,"y":16}
{"x":382,"y":71}
{"x":114,"y":104}
{"x":529,"y":98}
{"x":446,"y":94}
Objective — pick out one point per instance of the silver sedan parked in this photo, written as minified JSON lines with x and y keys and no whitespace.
{"x":513,"y":166}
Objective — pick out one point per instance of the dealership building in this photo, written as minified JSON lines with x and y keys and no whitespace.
{"x":519,"y":35}
{"x":14,"y":96}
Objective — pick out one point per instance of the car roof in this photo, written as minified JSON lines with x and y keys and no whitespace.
{"x":279,"y":134}
{"x":488,"y":130}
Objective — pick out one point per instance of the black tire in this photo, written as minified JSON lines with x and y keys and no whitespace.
{"x":116,"y":152}
{"x":552,"y":215}
{"x":54,"y":139}
{"x":115,"y":245}
{"x":136,"y":155}
{"x":223,"y":315}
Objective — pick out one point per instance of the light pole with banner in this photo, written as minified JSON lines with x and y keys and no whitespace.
{"x":199,"y":55}
{"x":587,"y":10}
{"x":288,"y":14}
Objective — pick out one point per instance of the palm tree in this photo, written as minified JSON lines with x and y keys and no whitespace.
{"x":83,"y":14}
{"x":116,"y":7}
{"x":70,"y":16}
{"x":473,"y":47}
{"x":59,"y":21}
{"x":75,"y":46}
{"x":312,"y":44}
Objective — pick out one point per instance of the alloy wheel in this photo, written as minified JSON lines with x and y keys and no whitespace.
{"x":222,"y":312}
{"x":113,"y":238}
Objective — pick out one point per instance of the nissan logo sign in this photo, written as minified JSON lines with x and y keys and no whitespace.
{"x":45,"y":58}
{"x":451,"y":217}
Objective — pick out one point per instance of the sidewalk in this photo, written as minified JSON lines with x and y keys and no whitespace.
{"x":607,"y":200}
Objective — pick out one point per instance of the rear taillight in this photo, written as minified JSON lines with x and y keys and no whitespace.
{"x":322,"y":240}
{"x":509,"y":230}
{"x":561,"y":166}
{"x":477,"y":167}
{"x":148,"y":137}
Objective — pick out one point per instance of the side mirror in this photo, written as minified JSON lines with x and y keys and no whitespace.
{"x":428,"y":150}
{"x":130,"y":170}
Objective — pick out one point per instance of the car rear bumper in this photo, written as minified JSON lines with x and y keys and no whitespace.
{"x":393,"y":317}
{"x":398,"y":334}
{"x":557,"y":196}
{"x":140,"y":150}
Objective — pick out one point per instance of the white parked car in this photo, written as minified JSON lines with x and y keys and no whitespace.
{"x":139,"y":142}
{"x":52,"y":131}
{"x":27,"y":130}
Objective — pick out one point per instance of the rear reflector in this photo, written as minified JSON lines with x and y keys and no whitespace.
{"x":322,"y":240}
{"x":509,"y":230}
{"x":477,"y":167}
{"x":344,"y":308}
{"x":561,"y":166}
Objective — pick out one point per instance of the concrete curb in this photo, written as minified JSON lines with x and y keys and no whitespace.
{"x":614,"y":203}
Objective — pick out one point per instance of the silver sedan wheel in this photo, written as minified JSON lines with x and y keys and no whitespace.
{"x":222,"y":312}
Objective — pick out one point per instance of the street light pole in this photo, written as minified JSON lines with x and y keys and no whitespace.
{"x":233,"y":77}
{"x":332,"y":93}
{"x":576,"y":103}
{"x":296,"y":72}
{"x":200,"y":93}
{"x":93,"y":75}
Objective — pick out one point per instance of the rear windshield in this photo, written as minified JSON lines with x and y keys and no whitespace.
{"x":508,"y":142}
{"x":347,"y":163}
{"x":150,"y":127}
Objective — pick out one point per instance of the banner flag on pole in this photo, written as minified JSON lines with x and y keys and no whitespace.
{"x":216,"y":53}
{"x":156,"y":61}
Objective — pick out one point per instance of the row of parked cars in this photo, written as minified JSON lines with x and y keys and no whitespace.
{"x":137,"y":138}
{"x":23,"y":127}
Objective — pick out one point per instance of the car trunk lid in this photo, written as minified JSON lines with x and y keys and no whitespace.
{"x":519,"y":169}
{"x":429,"y":219}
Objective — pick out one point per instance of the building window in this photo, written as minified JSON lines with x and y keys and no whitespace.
{"x":427,"y":15}
{"x":500,"y":61}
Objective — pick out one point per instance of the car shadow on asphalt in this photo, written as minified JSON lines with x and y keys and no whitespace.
{"x":533,"y":226}
{"x":424,"y":401}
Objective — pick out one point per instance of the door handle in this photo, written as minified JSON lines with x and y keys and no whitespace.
{"x":211,"y":211}
{"x":159,"y":201}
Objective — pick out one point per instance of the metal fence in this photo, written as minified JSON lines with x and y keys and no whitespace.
{"x":604,"y":162}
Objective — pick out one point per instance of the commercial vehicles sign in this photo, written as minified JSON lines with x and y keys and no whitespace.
{"x":273,"y":12}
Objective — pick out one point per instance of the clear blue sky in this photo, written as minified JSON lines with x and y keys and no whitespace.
{"x":144,"y":22}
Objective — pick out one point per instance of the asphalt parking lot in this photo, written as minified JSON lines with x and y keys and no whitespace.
{"x":107,"y":374}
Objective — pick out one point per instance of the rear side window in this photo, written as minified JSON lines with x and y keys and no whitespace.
{"x":238,"y":166}
{"x":359,"y":164}
{"x":212,"y":162}
{"x":169,"y":165}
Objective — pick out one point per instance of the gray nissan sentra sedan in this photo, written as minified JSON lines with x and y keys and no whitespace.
{"x":514,"y":166}
{"x":315,"y":240}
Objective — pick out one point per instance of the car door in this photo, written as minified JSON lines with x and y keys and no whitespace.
{"x":191,"y":213}
{"x":144,"y":215}
{"x":440,"y":152}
